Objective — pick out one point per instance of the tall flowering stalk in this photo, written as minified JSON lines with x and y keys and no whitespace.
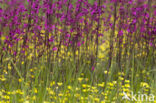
{"x":55,"y":31}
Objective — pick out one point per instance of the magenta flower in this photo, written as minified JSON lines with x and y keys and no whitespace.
{"x":79,"y":44}
{"x":93,"y":68}
{"x":55,"y":49}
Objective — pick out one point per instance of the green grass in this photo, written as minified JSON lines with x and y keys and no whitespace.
{"x":35,"y":87}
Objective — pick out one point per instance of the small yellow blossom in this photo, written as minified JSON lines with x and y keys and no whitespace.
{"x":52,"y":83}
{"x":3,"y":38}
{"x":60,"y":94}
{"x":20,"y":80}
{"x":35,"y":90}
{"x":127,"y":81}
{"x":127,"y":85}
{"x":26,"y":101}
{"x":69,"y":87}
{"x":80,"y":79}
{"x":59,"y":83}
{"x":77,"y":95}
{"x":105,"y":72}
{"x":32,"y":76}
{"x":34,"y":98}
{"x":22,"y":62}
{"x":84,"y":85}
{"x":101,"y":85}
{"x":97,"y":99}
{"x":121,"y":78}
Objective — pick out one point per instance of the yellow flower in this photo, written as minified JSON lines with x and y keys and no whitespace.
{"x":84,"y":85}
{"x":43,"y":31}
{"x":69,"y":87}
{"x":35,"y":90}
{"x":82,"y":74}
{"x":32,"y":76}
{"x":26,"y":101}
{"x":101,"y":85}
{"x":22,"y":62}
{"x":60,"y":94}
{"x":34,"y":98}
{"x":52,"y":83}
{"x":80,"y":79}
{"x":105,"y":72}
{"x":82,"y":98}
{"x":121,"y":78}
{"x":103,"y":101}
{"x":126,"y":90}
{"x":31,"y":70}
{"x":31,"y":46}
{"x":127,"y":81}
{"x":77,"y":95}
{"x":9,"y":66}
{"x":6,"y":97}
{"x":97,"y":99}
{"x":84,"y":90}
{"x":20,"y":80}
{"x":51,"y":92}
{"x":46,"y":102}
{"x":77,"y":89}
{"x":127,"y":85}
{"x":59,"y":83}
{"x":93,"y":87}
{"x":114,"y":82}
{"x":101,"y":55}
{"x":143,"y":84}
{"x":77,"y":52}
{"x":3,"y":38}
{"x":19,"y":91}
{"x":111,"y":84}
{"x":21,"y":100}
{"x":30,"y":56}
{"x":3,"y":79}
{"x":69,"y":53}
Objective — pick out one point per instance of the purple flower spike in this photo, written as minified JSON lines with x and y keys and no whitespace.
{"x":55,"y":49}
{"x":79,"y":44}
{"x":93,"y":68}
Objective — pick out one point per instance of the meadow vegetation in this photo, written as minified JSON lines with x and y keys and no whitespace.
{"x":77,"y":51}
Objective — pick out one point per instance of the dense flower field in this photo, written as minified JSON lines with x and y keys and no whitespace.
{"x":77,"y":51}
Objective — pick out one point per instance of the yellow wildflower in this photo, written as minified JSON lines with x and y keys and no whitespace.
{"x":59,"y":83}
